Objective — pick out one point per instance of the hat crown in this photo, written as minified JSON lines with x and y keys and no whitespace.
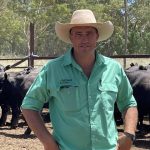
{"x":83,"y":16}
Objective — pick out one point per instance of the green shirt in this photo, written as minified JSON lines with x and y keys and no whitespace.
{"x":81,"y":109}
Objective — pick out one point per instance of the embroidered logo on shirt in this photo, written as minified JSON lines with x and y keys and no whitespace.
{"x":66,"y":83}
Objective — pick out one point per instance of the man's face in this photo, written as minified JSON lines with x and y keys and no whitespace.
{"x":84,"y":39}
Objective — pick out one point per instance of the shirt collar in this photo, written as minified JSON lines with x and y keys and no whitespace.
{"x":100,"y":59}
{"x":68,"y":58}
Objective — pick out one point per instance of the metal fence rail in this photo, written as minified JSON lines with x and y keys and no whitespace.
{"x":31,"y":59}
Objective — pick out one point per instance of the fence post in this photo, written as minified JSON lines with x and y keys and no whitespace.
{"x":31,"y":49}
{"x":126,"y":30}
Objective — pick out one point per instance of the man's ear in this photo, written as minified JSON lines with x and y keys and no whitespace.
{"x":70,"y":37}
{"x":97,"y":36}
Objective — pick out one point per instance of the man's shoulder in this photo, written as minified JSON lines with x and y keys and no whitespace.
{"x":109,"y":61}
{"x":56,"y":62}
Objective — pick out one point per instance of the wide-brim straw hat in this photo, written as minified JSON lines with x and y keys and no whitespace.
{"x":84,"y":17}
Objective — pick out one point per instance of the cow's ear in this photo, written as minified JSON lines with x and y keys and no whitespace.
{"x":5,"y":76}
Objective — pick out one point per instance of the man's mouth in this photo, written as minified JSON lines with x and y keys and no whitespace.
{"x":84,"y":46}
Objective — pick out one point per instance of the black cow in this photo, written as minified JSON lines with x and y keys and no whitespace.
{"x":7,"y":92}
{"x":13,"y":88}
{"x":139,"y":77}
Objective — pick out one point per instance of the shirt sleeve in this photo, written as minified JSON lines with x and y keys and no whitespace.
{"x":37,"y":94}
{"x":125,"y":98}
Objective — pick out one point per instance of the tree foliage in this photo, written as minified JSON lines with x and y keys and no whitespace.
{"x":16,"y":16}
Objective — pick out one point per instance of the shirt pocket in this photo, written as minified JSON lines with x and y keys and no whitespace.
{"x":108,"y":95}
{"x":69,"y":97}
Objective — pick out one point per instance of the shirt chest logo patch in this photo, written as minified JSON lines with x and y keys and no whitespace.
{"x":66,"y":83}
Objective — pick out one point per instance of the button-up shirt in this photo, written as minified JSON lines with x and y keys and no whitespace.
{"x":81,"y":108}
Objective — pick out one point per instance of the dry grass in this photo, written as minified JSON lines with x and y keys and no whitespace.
{"x":140,"y":61}
{"x":37,"y":63}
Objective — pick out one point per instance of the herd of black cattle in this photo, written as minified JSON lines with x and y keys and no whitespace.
{"x":13,"y":87}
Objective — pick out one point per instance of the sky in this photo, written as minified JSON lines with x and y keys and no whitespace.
{"x":130,"y":2}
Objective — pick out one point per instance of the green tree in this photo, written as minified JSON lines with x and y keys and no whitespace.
{"x":16,"y":16}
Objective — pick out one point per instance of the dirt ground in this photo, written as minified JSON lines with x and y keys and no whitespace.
{"x":15,"y":139}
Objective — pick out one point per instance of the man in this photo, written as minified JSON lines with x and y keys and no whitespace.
{"x":81,"y":87}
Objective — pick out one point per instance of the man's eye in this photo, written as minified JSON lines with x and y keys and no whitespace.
{"x":78,"y":34}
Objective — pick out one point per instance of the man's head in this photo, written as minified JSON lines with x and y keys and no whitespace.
{"x":84,"y":38}
{"x":85,"y":18}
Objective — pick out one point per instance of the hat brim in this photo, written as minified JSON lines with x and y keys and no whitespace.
{"x":105,"y":30}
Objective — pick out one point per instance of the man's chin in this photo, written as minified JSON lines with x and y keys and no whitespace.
{"x":85,"y":48}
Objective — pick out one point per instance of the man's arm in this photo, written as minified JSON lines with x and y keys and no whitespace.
{"x":130,"y":120}
{"x":130,"y":117}
{"x":36,"y":123}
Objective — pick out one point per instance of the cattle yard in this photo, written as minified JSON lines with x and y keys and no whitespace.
{"x":14,"y":139}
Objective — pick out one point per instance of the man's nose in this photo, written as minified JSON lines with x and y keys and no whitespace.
{"x":85,"y":38}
